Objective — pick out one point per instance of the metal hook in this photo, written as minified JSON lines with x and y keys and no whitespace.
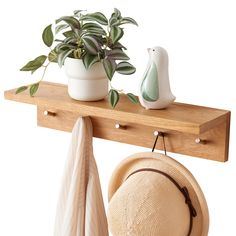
{"x":164,"y":143}
{"x":157,"y":134}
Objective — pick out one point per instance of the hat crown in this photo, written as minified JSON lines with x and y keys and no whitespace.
{"x":148,"y":204}
{"x":140,"y":199}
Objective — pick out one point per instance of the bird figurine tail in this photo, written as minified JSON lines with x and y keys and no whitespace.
{"x":155,"y":92}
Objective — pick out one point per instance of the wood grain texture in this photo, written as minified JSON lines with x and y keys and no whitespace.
{"x":181,"y":123}
{"x":177,"y":117}
{"x":215,"y":146}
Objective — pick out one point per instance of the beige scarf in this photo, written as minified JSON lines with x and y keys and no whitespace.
{"x":80,"y":208}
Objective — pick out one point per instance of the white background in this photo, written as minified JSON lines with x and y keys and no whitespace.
{"x":200,"y":37}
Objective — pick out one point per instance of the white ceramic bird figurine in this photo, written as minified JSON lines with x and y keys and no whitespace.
{"x":155,"y":90}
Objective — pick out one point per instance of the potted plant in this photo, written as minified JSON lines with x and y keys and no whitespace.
{"x":88,"y":45}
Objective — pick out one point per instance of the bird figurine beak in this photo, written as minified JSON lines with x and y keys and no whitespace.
{"x":148,"y":49}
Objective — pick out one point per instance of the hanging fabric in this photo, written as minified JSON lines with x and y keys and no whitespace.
{"x":80,"y":209}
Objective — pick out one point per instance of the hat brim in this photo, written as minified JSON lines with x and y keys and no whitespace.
{"x":173,"y":168}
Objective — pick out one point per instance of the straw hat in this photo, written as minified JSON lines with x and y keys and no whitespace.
{"x":151,"y":194}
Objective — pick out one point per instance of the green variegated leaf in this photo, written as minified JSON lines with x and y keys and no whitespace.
{"x":48,"y":36}
{"x":71,"y":21}
{"x":77,"y":12}
{"x":58,"y":40}
{"x":110,"y":67}
{"x":21,"y":89}
{"x":34,"y":64}
{"x":113,"y":21}
{"x":91,"y":44}
{"x":125,"y":68}
{"x":128,"y":20}
{"x":93,"y":28}
{"x":89,"y":60}
{"x":63,"y":55}
{"x":116,"y":34}
{"x":97,"y":16}
{"x":34,"y":89}
{"x":117,"y":13}
{"x":95,"y":32}
{"x":70,"y":40}
{"x":113,"y":97}
{"x":91,"y":25}
{"x":59,"y":28}
{"x":99,"y":39}
{"x":52,"y":56}
{"x":117,"y":54}
{"x":118,"y":46}
{"x":63,"y":46}
{"x":132,"y":98}
{"x":69,"y":33}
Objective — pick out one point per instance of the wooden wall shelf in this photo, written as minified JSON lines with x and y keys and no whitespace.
{"x":181,"y":123}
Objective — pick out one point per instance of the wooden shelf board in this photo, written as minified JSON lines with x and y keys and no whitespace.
{"x":181,"y":123}
{"x":177,"y":117}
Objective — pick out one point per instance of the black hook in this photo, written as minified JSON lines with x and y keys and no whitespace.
{"x":163,"y":138}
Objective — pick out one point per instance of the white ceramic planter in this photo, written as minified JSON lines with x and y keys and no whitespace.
{"x":86,"y":85}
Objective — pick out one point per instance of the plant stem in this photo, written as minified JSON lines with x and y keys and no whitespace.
{"x":44,"y":71}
